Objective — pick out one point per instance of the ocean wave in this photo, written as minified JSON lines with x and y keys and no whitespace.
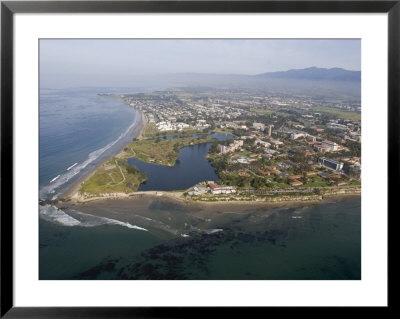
{"x":75,"y":218}
{"x":203,"y":231}
{"x":88,"y":220}
{"x":212,"y":231}
{"x":65,"y":177}
{"x":55,"y":178}
{"x":53,"y":214}
{"x":72,"y":166}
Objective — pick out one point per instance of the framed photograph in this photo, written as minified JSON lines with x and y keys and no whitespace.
{"x":163,"y":155}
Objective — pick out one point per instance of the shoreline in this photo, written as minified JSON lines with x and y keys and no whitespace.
{"x":179,"y":197}
{"x":143,"y":210}
{"x":72,"y":193}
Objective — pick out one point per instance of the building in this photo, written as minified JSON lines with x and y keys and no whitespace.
{"x":269,"y":130}
{"x":322,"y":149}
{"x":243,"y":173}
{"x":260,"y":171}
{"x":276,"y":143}
{"x":262,"y":143}
{"x":311,"y":138}
{"x":296,"y":135}
{"x":309,"y":173}
{"x":216,"y":189}
{"x":330,"y":163}
{"x":223,"y":149}
{"x":259,"y":126}
{"x":294,"y":177}
{"x":243,"y":160}
{"x":337,"y":126}
{"x":331,"y":145}
{"x":296,"y":183}
{"x":273,"y":170}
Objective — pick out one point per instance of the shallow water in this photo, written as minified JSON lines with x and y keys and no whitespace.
{"x":323,"y":242}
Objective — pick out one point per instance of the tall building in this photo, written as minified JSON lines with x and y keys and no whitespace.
{"x":269,"y":130}
{"x":330,"y":163}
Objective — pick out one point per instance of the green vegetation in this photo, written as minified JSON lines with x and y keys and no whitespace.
{"x":354,"y":183}
{"x":269,"y":112}
{"x":150,"y":130}
{"x":115,"y":176}
{"x":354,"y":148}
{"x":225,"y":130}
{"x":345,"y":115}
{"x":162,"y":152}
{"x":315,"y":181}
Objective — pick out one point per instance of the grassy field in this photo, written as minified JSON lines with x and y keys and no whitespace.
{"x":345,"y":115}
{"x":162,"y":152}
{"x":268,"y":112}
{"x":223,"y":130}
{"x":150,"y":130}
{"x":114,"y":176}
{"x":315,"y":181}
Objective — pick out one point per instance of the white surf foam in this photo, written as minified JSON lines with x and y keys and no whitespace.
{"x":53,"y":214}
{"x":71,"y":166}
{"x":55,"y":178}
{"x":74,"y":218}
{"x":63,"y":178}
{"x":212,"y":231}
{"x":88,"y":220}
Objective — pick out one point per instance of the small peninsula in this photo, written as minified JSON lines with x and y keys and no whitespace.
{"x":274,"y":154}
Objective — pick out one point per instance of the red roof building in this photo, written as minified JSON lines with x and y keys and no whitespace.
{"x":311,"y":173}
{"x":243,"y":173}
{"x":296,"y":183}
{"x":263,"y":172}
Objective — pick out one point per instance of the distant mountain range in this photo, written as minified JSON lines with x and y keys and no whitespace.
{"x":314,"y":73}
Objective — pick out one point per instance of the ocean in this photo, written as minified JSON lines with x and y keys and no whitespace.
{"x":77,"y":130}
{"x":313,"y":241}
{"x":156,"y":238}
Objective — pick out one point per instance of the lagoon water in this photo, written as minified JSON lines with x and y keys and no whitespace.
{"x":191,"y":168}
{"x":159,"y":239}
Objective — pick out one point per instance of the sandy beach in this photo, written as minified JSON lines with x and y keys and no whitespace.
{"x":169,"y":216}
{"x":72,"y":193}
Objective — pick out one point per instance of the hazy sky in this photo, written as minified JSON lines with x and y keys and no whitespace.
{"x":73,"y":63}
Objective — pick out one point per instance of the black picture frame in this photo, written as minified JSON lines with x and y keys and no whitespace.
{"x":9,"y":8}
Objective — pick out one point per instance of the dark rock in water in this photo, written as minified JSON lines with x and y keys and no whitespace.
{"x":94,"y":272}
{"x":158,"y":249}
{"x":247,"y":238}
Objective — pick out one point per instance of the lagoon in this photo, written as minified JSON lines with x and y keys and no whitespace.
{"x":191,"y":168}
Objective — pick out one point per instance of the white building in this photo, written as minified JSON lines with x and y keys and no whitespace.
{"x":223,"y":149}
{"x":331,"y":145}
{"x":259,"y":126}
{"x":262,"y":143}
{"x":215,"y":189}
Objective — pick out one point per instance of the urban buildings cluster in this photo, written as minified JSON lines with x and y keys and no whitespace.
{"x":278,"y":139}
